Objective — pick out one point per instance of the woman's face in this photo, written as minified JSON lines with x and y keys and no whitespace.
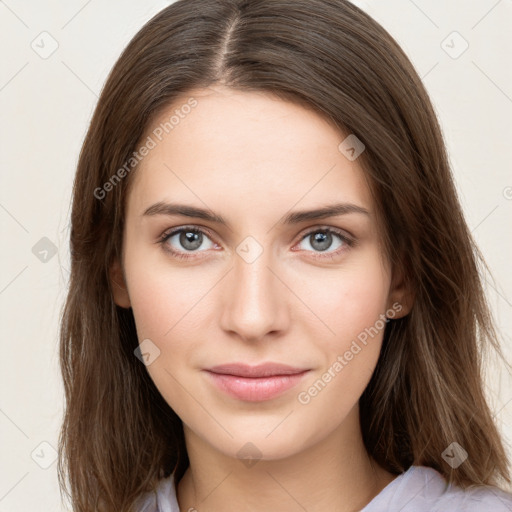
{"x":269,"y":285}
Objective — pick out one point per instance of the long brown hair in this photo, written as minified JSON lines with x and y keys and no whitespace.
{"x":119,"y":436}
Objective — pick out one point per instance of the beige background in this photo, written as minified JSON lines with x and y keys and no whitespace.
{"x":46,"y":104}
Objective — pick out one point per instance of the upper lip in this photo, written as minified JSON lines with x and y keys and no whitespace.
{"x":260,"y":370}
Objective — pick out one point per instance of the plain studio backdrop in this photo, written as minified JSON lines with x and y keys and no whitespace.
{"x":55,"y":59}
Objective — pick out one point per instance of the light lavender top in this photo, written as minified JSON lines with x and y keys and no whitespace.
{"x":419,"y":489}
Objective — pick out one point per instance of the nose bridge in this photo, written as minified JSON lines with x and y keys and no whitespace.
{"x":254,"y":302}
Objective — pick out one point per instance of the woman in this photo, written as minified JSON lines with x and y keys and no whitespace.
{"x":274,"y":298}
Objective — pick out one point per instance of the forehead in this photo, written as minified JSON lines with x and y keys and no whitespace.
{"x":244,"y":149}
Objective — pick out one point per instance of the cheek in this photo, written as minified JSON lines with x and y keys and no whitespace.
{"x":164,"y":298}
{"x":354,"y":310}
{"x":167,"y":308}
{"x":351,"y":304}
{"x":346,"y":302}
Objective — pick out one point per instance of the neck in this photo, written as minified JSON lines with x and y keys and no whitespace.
{"x":335,"y":473}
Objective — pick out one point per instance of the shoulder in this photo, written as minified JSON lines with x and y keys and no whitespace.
{"x":162,"y":499}
{"x":422,"y":489}
{"x":475,"y":499}
{"x":419,"y":489}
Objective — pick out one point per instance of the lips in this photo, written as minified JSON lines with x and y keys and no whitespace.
{"x":255,"y":383}
{"x":261,"y":370}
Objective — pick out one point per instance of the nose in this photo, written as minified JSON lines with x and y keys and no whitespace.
{"x":254,"y":300}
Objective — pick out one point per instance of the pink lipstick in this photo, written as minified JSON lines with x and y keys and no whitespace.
{"x":255,"y":383}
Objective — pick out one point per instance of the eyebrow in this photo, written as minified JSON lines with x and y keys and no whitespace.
{"x":332,"y":210}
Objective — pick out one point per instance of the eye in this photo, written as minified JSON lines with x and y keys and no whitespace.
{"x":186,"y":239}
{"x":323,"y":239}
{"x":189,"y":239}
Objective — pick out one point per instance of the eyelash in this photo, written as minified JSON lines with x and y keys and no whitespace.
{"x":350,"y":242}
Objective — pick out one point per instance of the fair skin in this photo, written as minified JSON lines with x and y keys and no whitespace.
{"x":253,"y":159}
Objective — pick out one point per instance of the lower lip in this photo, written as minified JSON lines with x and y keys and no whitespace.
{"x":252,"y":389}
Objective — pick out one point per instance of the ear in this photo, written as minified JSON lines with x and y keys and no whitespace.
{"x":118,"y":285}
{"x":401,"y":296}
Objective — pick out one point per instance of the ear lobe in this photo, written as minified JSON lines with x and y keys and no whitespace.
{"x":118,"y":286}
{"x":401,"y":295}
